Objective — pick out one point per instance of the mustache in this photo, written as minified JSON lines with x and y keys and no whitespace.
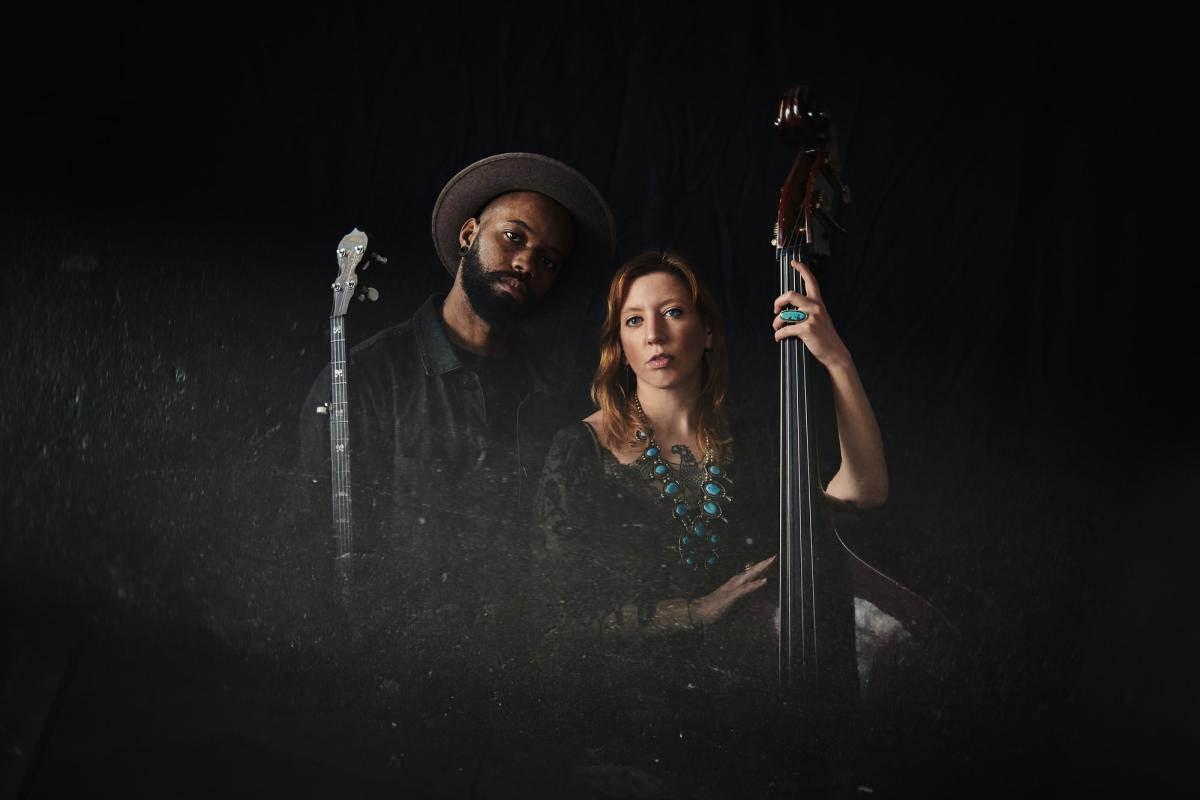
{"x":500,"y":275}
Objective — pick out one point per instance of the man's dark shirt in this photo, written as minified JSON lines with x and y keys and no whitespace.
{"x":446,"y":449}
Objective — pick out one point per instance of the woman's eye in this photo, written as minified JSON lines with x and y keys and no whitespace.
{"x":674,"y":312}
{"x":633,"y":321}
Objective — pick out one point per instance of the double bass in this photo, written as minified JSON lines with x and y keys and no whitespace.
{"x":816,"y":658}
{"x":820,"y":582}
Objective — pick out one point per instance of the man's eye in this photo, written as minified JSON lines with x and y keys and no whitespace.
{"x":513,"y":236}
{"x":674,"y":312}
{"x":549,"y":264}
{"x":633,"y":321}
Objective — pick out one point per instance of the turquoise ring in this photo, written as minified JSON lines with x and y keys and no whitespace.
{"x":793,"y":315}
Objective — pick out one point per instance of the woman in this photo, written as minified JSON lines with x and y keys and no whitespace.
{"x":644,"y":546}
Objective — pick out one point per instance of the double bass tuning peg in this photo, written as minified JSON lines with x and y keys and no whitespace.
{"x":370,"y":293}
{"x":831,"y":168}
{"x":821,"y":210}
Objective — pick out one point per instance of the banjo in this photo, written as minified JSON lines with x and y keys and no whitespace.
{"x":351,"y":251}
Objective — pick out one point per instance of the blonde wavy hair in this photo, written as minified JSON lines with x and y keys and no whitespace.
{"x":613,"y":384}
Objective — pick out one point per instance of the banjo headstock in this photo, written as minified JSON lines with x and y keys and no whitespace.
{"x":350,"y":252}
{"x":814,"y":187}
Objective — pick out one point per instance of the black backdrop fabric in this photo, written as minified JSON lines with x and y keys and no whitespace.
{"x":1011,"y":287}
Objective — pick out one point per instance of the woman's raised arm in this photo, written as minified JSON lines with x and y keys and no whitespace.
{"x":862,"y":478}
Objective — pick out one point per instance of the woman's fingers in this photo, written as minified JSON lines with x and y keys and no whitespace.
{"x":751,"y":579}
{"x":793,"y":301}
{"x":797,"y":300}
{"x":794,"y":309}
{"x":751,"y":586}
{"x":811,"y":288}
{"x":752,"y":571}
{"x":760,"y":566}
{"x":792,"y":329}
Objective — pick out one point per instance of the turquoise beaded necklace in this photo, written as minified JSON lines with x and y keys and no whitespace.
{"x":698,"y":542}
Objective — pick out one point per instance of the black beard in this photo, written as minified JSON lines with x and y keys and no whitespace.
{"x":498,"y":309}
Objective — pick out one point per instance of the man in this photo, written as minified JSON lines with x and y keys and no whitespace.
{"x":448,"y":423}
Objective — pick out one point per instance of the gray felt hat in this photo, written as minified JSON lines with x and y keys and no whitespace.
{"x":470,"y":190}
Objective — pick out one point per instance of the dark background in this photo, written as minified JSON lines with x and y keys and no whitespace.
{"x":1012,"y":287}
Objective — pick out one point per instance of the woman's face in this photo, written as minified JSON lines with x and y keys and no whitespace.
{"x":662,"y":335}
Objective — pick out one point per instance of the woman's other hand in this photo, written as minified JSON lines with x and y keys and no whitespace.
{"x":710,"y":608}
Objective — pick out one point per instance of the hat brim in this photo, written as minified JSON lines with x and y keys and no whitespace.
{"x":472,"y":188}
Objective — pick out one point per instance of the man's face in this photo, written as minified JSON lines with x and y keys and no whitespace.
{"x":517,"y":247}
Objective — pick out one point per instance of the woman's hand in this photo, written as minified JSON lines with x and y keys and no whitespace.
{"x":713,"y":606}
{"x":816,"y":330}
{"x":862,"y":479}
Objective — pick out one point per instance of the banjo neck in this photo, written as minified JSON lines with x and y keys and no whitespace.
{"x":350,"y":253}
{"x":339,"y":453}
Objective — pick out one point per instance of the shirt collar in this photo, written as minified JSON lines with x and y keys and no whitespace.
{"x":437,"y":354}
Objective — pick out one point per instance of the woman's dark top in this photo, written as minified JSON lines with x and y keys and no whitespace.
{"x":632,"y":694}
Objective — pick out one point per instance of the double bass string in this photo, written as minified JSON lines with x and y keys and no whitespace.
{"x":785,"y":505}
{"x":796,"y":508}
